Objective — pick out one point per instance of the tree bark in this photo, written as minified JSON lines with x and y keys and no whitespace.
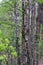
{"x":25,"y":33}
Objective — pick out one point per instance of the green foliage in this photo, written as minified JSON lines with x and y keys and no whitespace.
{"x":3,"y":57}
{"x":40,"y":1}
{"x":40,"y":49}
{"x":0,"y":34}
{"x":14,"y":54}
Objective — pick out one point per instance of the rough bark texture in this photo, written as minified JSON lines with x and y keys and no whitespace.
{"x":25,"y":33}
{"x":35,"y":40}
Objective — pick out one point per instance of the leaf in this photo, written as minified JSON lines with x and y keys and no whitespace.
{"x":6,"y":40}
{"x":14,"y":54}
{"x":11,"y":48}
{"x":3,"y":57}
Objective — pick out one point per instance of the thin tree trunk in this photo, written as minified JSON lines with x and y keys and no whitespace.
{"x":17,"y":32}
{"x":35,"y":49}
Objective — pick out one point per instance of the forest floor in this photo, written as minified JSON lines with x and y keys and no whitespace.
{"x":40,"y":62}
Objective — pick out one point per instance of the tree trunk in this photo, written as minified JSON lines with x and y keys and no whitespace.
{"x":35,"y":40}
{"x":25,"y":33}
{"x":17,"y":31}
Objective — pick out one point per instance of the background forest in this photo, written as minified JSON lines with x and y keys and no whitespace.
{"x":11,"y":32}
